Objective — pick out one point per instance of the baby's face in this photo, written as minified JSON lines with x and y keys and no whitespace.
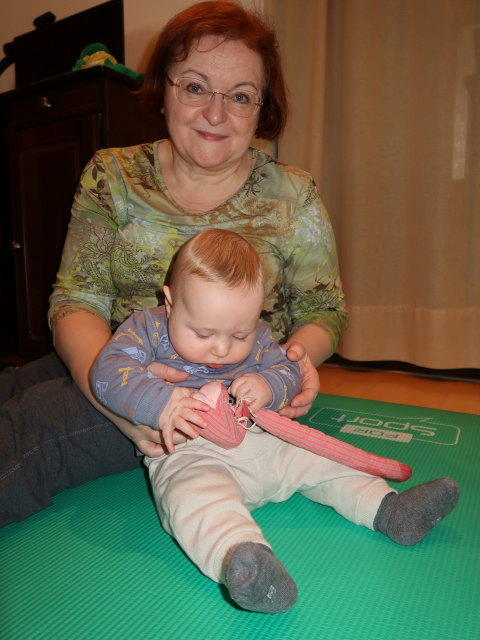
{"x":212,"y":324}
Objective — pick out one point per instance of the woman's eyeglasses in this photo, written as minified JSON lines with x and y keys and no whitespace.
{"x":195,"y":93}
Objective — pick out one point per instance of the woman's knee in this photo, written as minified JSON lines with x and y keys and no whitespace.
{"x":14,"y":380}
{"x":52,"y":438}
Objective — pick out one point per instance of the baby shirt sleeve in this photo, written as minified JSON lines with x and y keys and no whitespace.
{"x":120,"y":378}
{"x":281,"y":374}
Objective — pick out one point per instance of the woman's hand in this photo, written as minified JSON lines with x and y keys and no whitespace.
{"x":169,"y":374}
{"x":147,"y":440}
{"x":302,"y":403}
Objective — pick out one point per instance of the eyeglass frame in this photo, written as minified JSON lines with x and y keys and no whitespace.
{"x":174,"y":83}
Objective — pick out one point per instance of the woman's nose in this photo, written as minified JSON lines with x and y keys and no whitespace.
{"x":215,"y":111}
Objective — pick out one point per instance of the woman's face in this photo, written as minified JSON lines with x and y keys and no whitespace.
{"x":209,"y":137}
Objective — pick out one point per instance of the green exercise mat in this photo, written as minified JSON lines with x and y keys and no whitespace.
{"x":97,"y":565}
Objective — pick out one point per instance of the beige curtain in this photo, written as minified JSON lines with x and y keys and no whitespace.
{"x":385,"y":101}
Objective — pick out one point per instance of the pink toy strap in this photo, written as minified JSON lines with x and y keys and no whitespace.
{"x":331,"y":448}
{"x":226,"y":427}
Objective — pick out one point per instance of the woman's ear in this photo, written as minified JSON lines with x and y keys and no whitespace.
{"x":168,"y":300}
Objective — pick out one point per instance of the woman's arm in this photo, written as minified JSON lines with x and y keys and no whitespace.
{"x":79,"y":337}
{"x":316,"y":303}
{"x":121,"y":381}
{"x":316,"y":299}
{"x":309,"y":346}
{"x":81,"y":302}
{"x":316,"y":342}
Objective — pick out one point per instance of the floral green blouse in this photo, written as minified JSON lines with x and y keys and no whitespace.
{"x":125,"y":228}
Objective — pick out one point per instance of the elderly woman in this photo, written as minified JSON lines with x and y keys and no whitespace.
{"x":218,"y":83}
{"x":215,"y":76}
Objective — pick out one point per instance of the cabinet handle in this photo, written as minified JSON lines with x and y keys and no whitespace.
{"x":45,"y":103}
{"x":15,"y":245}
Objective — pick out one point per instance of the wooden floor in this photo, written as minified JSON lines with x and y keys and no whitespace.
{"x":402,"y":388}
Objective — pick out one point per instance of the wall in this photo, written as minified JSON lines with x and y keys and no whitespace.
{"x":143,"y":21}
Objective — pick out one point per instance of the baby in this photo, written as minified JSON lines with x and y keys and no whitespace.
{"x":204,"y":492}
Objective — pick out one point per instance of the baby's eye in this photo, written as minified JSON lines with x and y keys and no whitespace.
{"x":201,"y":336}
{"x":241,"y":338}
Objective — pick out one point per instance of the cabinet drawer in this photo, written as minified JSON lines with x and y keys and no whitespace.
{"x":54,"y":103}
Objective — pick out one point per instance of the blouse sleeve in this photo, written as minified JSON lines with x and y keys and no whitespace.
{"x":84,"y":281}
{"x":314,"y":288}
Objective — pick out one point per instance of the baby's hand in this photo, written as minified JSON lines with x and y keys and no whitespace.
{"x":180,"y":414}
{"x":253,"y":389}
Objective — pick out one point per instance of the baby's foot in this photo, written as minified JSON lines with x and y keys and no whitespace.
{"x":257,"y":581}
{"x":406,"y":518}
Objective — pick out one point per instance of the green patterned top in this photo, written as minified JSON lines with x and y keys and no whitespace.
{"x":125,"y":228}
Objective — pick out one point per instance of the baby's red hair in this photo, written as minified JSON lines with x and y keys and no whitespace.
{"x":218,"y":255}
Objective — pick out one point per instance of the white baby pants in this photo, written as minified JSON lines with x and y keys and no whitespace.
{"x":204,"y":494}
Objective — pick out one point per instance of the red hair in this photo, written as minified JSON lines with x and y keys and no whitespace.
{"x":218,"y":255}
{"x":233,"y":22}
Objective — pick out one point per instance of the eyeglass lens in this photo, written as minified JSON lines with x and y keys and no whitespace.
{"x":191,"y":91}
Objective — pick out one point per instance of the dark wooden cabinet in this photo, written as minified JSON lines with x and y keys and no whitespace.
{"x":51,"y":130}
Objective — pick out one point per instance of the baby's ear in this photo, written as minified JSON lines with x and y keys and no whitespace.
{"x":168,"y":300}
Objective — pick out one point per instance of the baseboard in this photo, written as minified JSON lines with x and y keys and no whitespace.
{"x":471,"y":375}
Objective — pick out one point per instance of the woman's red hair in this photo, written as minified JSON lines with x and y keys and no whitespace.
{"x":233,"y":22}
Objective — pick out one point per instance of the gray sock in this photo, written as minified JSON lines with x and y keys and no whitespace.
{"x":406,"y":518}
{"x":257,"y":581}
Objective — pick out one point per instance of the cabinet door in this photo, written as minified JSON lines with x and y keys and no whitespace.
{"x":8,"y":318}
{"x":45,"y":164}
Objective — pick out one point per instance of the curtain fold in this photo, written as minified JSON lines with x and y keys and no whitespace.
{"x":385,"y":101}
{"x":302,"y":32}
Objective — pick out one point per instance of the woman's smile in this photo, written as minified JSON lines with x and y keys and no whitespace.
{"x":209,"y":136}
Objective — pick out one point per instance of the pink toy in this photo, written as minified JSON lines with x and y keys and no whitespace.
{"x":227,"y":425}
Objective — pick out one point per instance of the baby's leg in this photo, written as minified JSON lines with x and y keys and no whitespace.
{"x":202,"y":506}
{"x":354,"y":494}
{"x":405,"y":518}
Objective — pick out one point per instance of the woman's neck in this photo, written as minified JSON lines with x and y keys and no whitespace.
{"x":199,"y":190}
